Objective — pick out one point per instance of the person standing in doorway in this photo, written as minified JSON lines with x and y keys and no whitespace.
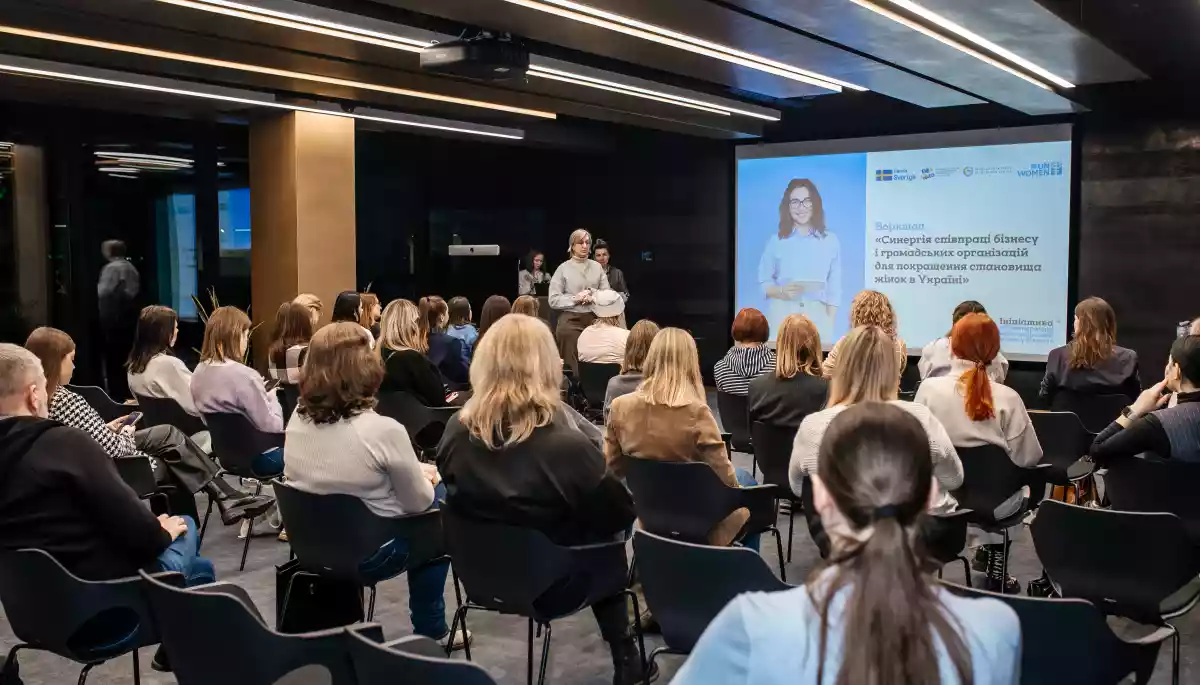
{"x":117,"y":292}
{"x":571,"y":289}
{"x":616,"y":277}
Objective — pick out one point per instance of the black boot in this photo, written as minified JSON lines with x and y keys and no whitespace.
{"x":239,"y":507}
{"x":996,"y":580}
{"x":627,"y":664}
{"x":160,"y":662}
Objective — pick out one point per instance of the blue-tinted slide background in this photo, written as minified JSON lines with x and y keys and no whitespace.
{"x":842,"y":182}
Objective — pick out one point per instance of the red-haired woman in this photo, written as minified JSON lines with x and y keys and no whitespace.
{"x":975,"y":411}
{"x":749,"y":357}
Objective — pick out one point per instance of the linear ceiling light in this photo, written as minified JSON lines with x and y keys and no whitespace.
{"x":142,"y":156}
{"x":935,"y":18}
{"x":948,"y":41}
{"x":239,"y":66}
{"x":14,"y":65}
{"x":658,"y":34}
{"x":302,"y":23}
{"x":637,"y":91}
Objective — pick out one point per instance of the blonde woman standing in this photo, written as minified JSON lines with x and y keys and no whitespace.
{"x":571,"y":289}
{"x":870,"y":308}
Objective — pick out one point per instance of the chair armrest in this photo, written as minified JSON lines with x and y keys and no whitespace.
{"x":371,"y":631}
{"x":1153,"y":638}
{"x":418,"y":645}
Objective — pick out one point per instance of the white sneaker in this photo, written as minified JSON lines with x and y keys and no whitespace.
{"x":244,"y":530}
{"x":460,"y":641}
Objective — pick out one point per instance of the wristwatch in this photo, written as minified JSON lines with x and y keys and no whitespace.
{"x":1127,"y":412}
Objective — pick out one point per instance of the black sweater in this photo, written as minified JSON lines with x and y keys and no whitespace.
{"x":412,"y":372}
{"x":785,"y":401}
{"x":59,"y":492}
{"x":555,"y":481}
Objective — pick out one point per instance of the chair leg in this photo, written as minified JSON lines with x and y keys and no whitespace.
{"x":84,"y":673}
{"x":11,"y":668}
{"x":939,"y":573}
{"x":371,"y":604}
{"x":637,"y":629}
{"x":137,"y":668}
{"x":460,"y":617}
{"x":1175,"y":656}
{"x":779,"y":550}
{"x":204,"y":526}
{"x":791,"y":529}
{"x":754,"y":466}
{"x":966,"y":570}
{"x":529,"y":660}
{"x":545,"y":656}
{"x":246,"y":547}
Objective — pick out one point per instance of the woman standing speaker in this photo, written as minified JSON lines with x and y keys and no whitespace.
{"x":800,"y":271}
{"x":571,"y":290}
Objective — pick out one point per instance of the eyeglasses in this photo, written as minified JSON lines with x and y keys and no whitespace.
{"x":806,"y":203}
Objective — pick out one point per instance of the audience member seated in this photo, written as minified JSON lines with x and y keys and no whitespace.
{"x":371,"y":311}
{"x":668,"y":419}
{"x":461,"y":326}
{"x":873,"y":615}
{"x":314,"y":306}
{"x":868,"y":372}
{"x":61,"y":493}
{"x":976,"y":411}
{"x":513,"y":456}
{"x":603,"y":341}
{"x":1092,"y":363}
{"x":153,"y":369}
{"x":1147,"y":427}
{"x":636,"y":347}
{"x":338,"y":445}
{"x":494,"y":308}
{"x":348,"y":307}
{"x":289,"y":343}
{"x":870,"y":308}
{"x":445,"y":351}
{"x":527,"y":305}
{"x":402,"y":348}
{"x":936,"y":357}
{"x":749,"y":357}
{"x":223,"y":384}
{"x":174,"y":458}
{"x":796,"y":388}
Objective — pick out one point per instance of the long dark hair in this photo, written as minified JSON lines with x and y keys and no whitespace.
{"x":874,"y":463}
{"x":345,"y":307}
{"x":155,"y":326}
{"x":818,"y":208}
{"x":494,"y":308}
{"x":527,"y":261}
{"x":293,"y":326}
{"x":965,"y":307}
{"x":1096,"y":336}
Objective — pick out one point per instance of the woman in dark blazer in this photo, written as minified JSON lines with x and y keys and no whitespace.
{"x":445,"y":351}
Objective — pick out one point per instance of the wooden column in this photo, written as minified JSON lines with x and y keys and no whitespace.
{"x":302,"y":213}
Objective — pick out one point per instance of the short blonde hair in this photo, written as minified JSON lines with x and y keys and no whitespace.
{"x":516,"y":374}
{"x":223,"y":335}
{"x":402,"y":327}
{"x":637,"y":345}
{"x":867,"y":370}
{"x":671,"y":374}
{"x":798,"y":347}
{"x":313,"y":303}
{"x":577,"y":236}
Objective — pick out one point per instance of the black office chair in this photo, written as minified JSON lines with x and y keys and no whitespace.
{"x":90,"y":622}
{"x":411,"y":659}
{"x":236,"y":443}
{"x":425,"y":425}
{"x":214,"y":634}
{"x":108,"y":409}
{"x":735,"y":420}
{"x":686,"y":500}
{"x":333,"y":535}
{"x":989,"y":479}
{"x":512,"y":570}
{"x":687,"y":585}
{"x":1095,"y":411}
{"x":773,"y":450}
{"x":910,"y":379}
{"x":289,"y":398}
{"x":164,"y":411}
{"x":1149,"y":485}
{"x":594,"y":378}
{"x":1065,"y":441}
{"x":1140,"y":566}
{"x":1053,"y":630}
{"x":945,"y":538}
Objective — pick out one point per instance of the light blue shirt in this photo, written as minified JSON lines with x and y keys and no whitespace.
{"x":774,"y":639}
{"x":804,"y":257}
{"x":468,"y":334}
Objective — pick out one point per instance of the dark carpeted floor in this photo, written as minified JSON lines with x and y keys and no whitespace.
{"x":578,"y":656}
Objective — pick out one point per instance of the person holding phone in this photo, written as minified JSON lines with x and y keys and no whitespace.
{"x":800,"y":270}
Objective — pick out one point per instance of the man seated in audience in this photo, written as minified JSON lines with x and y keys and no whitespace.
{"x":1148,"y":426}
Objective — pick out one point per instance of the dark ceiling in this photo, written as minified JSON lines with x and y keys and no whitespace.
{"x":1107,"y":49}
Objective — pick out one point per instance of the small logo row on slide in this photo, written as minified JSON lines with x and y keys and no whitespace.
{"x":1036,"y":170}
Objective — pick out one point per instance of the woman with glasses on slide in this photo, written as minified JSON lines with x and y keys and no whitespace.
{"x":800,"y":270}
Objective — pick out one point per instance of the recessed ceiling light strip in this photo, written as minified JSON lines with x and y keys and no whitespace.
{"x":821,"y":82}
{"x":14,"y":65}
{"x":623,"y":91}
{"x":239,"y":66}
{"x":684,"y":37}
{"x":939,"y":20}
{"x":346,"y":28}
{"x":947,"y":41}
{"x":142,"y":155}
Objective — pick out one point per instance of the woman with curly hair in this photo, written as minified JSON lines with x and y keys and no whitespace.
{"x":870,"y":308}
{"x":1092,"y":363}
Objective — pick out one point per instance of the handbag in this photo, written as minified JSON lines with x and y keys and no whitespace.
{"x":305,"y":601}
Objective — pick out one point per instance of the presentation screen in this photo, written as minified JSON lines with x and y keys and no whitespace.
{"x":929,"y":220}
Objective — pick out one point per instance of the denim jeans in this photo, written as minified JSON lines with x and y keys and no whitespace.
{"x":268,"y":464}
{"x":181,"y":556}
{"x":426,"y":585}
{"x":744,"y":479}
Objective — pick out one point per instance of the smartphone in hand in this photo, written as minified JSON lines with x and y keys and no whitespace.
{"x":131,"y":419}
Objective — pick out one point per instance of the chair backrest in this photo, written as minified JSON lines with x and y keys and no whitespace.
{"x":1095,"y":411}
{"x":214,"y":634}
{"x":164,"y":411}
{"x":735,"y":419}
{"x":989,"y":478}
{"x":687,"y":585}
{"x":594,"y":379}
{"x":1063,"y":437}
{"x":773,"y":449}
{"x":398,"y":662}
{"x":97,"y":399}
{"x":49,"y":607}
{"x":333,"y":534}
{"x":1053,"y":628}
{"x":1125,"y":563}
{"x":945,"y":535}
{"x":1136,"y":484}
{"x":236,"y":442}
{"x":504,"y":568}
{"x":416,"y":417}
{"x":682,"y":500}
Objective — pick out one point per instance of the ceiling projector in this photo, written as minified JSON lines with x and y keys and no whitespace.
{"x":485,"y":57}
